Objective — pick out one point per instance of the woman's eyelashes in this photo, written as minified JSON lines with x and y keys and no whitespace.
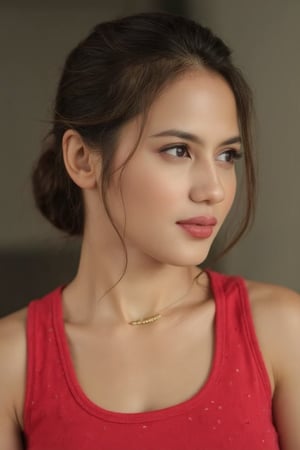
{"x":177,"y":150}
{"x":181,"y":151}
{"x":230,"y":155}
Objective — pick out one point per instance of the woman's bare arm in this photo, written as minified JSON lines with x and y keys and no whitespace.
{"x":287,"y":393}
{"x":276,"y":313}
{"x":12,"y":379}
{"x":10,"y":437}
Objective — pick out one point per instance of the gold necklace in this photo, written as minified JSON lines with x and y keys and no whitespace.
{"x":157,"y":316}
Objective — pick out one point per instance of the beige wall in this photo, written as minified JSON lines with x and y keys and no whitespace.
{"x":265,"y":37}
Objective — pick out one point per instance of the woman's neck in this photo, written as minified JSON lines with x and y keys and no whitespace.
{"x":146,"y":288}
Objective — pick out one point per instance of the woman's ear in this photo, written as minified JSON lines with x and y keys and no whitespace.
{"x":81,"y":163}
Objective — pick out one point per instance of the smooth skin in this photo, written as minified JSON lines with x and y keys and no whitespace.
{"x":181,"y":168}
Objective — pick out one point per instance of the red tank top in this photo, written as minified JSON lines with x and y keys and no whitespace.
{"x":232,"y":411}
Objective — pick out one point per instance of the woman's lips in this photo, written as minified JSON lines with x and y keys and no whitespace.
{"x":198,"y":231}
{"x":199,"y":227}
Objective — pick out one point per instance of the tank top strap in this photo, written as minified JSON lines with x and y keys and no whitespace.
{"x":242,"y":352}
{"x":41,"y":348}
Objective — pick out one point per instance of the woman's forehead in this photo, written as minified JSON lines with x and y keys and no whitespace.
{"x":196,"y":103}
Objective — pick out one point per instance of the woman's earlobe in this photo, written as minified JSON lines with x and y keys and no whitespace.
{"x":79,"y":160}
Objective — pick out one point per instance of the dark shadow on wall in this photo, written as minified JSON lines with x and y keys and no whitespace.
{"x":174,"y":6}
{"x":29,"y":274}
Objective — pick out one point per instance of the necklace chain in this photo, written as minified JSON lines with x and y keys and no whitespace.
{"x":155,"y":317}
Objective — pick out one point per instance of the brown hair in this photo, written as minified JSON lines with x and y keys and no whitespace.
{"x":112,"y":76}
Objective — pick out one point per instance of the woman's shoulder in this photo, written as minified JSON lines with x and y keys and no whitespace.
{"x":13,"y":362}
{"x":13,"y":337}
{"x":276,"y":315}
{"x":273,"y":302}
{"x":13,"y":329}
{"x":275,"y":309}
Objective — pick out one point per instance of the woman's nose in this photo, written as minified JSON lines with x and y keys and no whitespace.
{"x":207,"y":185}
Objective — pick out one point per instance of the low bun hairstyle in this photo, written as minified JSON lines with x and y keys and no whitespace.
{"x":112,"y":76}
{"x":56,"y":195}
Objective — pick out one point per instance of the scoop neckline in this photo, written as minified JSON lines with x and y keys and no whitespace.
{"x":145,"y":416}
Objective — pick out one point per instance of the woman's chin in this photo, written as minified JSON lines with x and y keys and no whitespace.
{"x":185,"y":259}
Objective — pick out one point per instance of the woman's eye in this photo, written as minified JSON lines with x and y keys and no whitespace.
{"x":178,"y":151}
{"x":229,"y":156}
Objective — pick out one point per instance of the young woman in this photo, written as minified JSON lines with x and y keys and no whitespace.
{"x":143,"y":349}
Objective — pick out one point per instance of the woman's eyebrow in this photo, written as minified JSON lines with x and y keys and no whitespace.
{"x":193,"y":138}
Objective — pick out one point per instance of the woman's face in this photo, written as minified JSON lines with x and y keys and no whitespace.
{"x":183,"y":168}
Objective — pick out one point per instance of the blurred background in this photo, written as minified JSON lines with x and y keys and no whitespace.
{"x":34,"y":41}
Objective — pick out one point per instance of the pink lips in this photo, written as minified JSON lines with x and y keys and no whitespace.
{"x":199,"y":227}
